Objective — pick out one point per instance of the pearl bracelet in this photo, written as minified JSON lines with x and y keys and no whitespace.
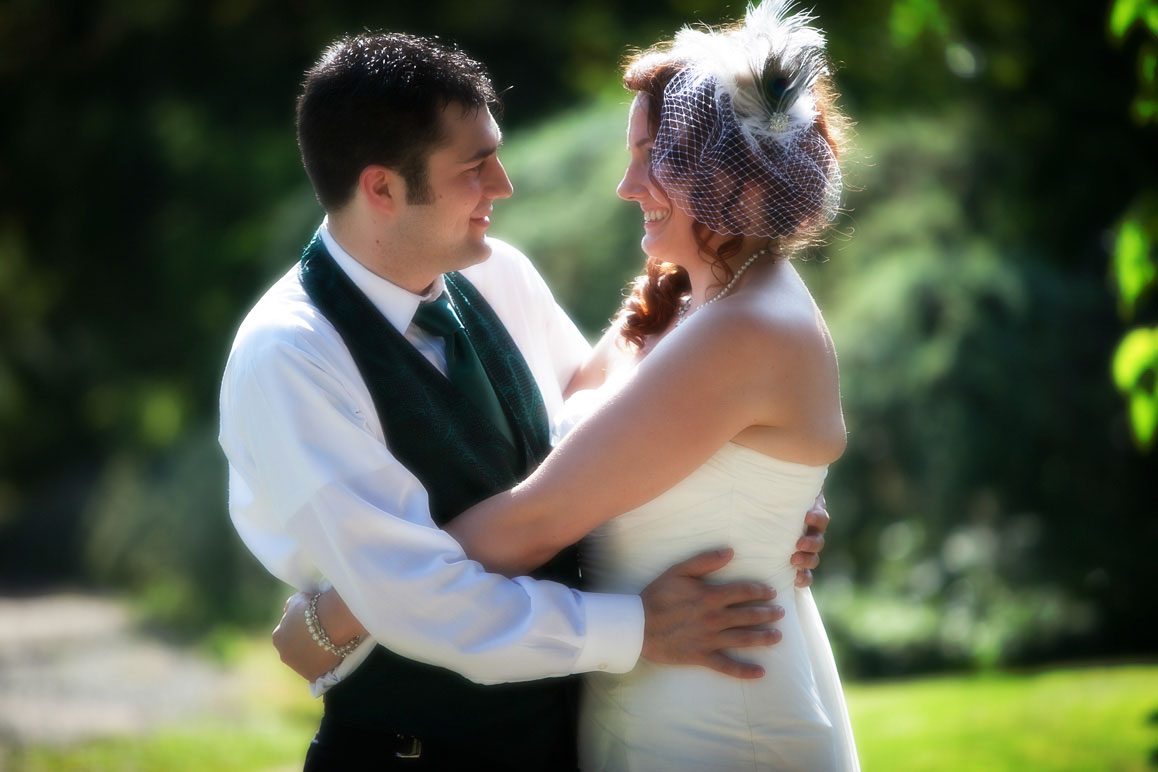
{"x":319,"y":635}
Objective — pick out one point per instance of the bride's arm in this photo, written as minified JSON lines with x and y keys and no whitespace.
{"x":693,"y":393}
{"x":698,"y":389}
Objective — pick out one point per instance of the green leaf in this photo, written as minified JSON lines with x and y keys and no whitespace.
{"x":1137,"y":353}
{"x":1133,"y":266}
{"x":1151,"y":16}
{"x":1126,"y":12}
{"x":1135,"y":368}
{"x":1123,"y":15}
{"x":1143,"y":416}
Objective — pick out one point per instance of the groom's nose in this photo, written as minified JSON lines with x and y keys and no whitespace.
{"x":498,"y":183}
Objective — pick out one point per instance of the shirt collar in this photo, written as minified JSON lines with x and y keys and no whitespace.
{"x":393,"y":302}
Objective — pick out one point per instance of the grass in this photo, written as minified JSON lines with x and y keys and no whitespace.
{"x":1059,"y":720}
{"x":1079,"y":719}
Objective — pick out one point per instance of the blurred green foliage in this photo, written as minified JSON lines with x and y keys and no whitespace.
{"x":990,"y":508}
{"x":1135,"y":365}
{"x":1124,"y":14}
{"x":1135,"y":261}
{"x":910,"y":19}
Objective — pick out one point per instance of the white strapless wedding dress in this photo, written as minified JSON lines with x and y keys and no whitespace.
{"x":691,"y":718}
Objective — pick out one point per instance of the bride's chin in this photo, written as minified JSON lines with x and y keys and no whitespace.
{"x":653,"y":246}
{"x":665,"y":252}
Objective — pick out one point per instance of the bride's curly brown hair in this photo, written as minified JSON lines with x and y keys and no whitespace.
{"x":656,"y":294}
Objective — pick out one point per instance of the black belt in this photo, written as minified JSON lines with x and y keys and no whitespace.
{"x":344,"y":748}
{"x":404,"y":746}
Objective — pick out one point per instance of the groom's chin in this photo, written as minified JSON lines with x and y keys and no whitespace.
{"x":479,"y":252}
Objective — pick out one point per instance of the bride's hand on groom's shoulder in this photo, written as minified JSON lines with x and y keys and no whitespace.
{"x":297,"y":647}
{"x":688,"y":621}
{"x":811,"y":543}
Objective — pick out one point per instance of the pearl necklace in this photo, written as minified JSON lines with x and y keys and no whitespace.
{"x":683,"y":312}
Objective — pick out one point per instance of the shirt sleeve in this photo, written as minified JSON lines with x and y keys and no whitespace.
{"x":363,"y":520}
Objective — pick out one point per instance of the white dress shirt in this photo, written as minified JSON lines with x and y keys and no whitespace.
{"x":317,"y":496}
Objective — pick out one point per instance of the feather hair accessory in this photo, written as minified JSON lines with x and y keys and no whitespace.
{"x":737,"y":145}
{"x":768,"y":66}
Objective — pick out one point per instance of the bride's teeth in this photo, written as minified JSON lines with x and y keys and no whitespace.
{"x":654,"y":216}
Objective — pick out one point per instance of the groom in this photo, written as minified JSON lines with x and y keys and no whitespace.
{"x":404,"y":371}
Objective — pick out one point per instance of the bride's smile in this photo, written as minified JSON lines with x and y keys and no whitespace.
{"x":653,"y":216}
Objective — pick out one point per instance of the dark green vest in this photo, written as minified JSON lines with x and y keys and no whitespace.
{"x":461,"y":458}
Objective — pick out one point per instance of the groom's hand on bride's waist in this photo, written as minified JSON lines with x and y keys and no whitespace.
{"x":688,"y":621}
{"x":807,"y":556}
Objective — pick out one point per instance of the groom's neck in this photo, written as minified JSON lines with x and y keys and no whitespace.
{"x":371,"y":246}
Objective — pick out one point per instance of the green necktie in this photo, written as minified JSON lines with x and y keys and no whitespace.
{"x":463,"y":367}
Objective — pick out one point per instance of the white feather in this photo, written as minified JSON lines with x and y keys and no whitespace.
{"x":737,"y":58}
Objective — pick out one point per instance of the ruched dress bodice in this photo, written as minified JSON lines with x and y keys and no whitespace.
{"x":739,"y":498}
{"x":691,"y":718}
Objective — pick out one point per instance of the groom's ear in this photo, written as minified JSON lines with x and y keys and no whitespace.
{"x":383,"y":188}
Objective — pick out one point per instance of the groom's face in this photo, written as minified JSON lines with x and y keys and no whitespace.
{"x":464,"y":178}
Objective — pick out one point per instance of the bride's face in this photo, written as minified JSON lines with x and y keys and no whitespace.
{"x":667,"y":229}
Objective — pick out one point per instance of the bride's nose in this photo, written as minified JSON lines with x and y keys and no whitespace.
{"x":632,"y":187}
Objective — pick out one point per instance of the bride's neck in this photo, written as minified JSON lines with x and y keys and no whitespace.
{"x":706,"y":283}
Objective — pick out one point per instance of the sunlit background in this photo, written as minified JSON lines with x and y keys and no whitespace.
{"x":990,"y":574}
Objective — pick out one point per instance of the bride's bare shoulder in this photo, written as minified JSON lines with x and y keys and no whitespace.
{"x":782,"y":326}
{"x":769,"y":329}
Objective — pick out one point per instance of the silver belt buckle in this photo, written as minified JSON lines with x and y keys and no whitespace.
{"x":415,"y":750}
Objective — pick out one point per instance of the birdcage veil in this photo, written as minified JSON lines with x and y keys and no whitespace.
{"x":737,"y":146}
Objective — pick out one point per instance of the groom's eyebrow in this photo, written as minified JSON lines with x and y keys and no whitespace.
{"x":484,"y":152}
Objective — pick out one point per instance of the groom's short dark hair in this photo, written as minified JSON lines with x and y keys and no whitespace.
{"x":378,"y":98}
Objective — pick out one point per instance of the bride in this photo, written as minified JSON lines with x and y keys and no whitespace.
{"x":709,"y":412}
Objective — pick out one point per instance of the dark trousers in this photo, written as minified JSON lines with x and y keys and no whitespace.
{"x":340,"y":749}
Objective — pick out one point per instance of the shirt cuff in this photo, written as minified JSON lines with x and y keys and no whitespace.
{"x":344,"y":668}
{"x":614,"y":633}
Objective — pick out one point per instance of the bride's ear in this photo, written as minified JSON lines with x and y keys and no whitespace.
{"x":382,"y":188}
